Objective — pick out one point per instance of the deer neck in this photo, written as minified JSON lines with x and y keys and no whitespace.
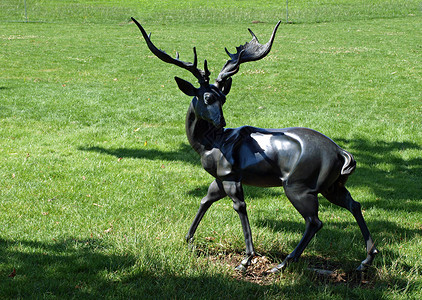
{"x":202,"y":135}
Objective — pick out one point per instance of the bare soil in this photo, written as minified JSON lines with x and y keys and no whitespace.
{"x":320,"y":271}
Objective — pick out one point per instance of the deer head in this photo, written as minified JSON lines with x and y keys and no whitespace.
{"x":209,"y":98}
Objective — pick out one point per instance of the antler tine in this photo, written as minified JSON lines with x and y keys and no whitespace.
{"x":195,"y":57}
{"x":202,"y":76}
{"x":253,"y":34}
{"x":248,"y":52}
{"x":207,"y":72}
{"x":231,"y":67}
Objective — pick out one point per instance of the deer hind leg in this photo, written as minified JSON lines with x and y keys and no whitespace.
{"x":215,"y":193}
{"x":234,"y":190}
{"x":340,"y":196}
{"x":307,"y":205}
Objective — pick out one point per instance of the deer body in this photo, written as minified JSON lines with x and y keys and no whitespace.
{"x":265,"y":157}
{"x":303,"y":161}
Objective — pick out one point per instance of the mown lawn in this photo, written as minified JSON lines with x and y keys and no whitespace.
{"x":98,"y":184}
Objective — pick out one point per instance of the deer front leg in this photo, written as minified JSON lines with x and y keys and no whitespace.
{"x":234,"y":190}
{"x":215,"y":193}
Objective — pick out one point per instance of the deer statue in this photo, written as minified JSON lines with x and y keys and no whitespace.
{"x":303,"y":161}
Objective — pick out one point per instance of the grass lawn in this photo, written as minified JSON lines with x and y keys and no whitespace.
{"x":98,"y":184}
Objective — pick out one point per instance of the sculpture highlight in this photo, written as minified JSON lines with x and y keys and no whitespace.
{"x":303,"y":161}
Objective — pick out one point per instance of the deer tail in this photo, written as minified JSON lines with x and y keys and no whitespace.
{"x":349,"y":163}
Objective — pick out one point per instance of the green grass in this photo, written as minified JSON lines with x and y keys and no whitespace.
{"x":202,"y":11}
{"x":98,"y":184}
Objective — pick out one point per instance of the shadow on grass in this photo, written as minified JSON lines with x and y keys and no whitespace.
{"x":83,"y":269}
{"x":381,"y":168}
{"x":185,"y":153}
{"x":337,"y":250}
{"x":395,"y":181}
{"x":250,"y":191}
{"x":333,"y":231}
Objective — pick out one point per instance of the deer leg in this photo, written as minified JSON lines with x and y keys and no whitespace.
{"x":307,"y":205}
{"x":215,"y":193}
{"x":235,"y":191}
{"x":340,"y":196}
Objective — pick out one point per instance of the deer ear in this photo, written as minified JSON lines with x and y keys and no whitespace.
{"x":186,"y":87}
{"x":227,"y":86}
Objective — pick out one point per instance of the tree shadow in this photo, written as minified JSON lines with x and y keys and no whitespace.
{"x":389,"y":231}
{"x":66,"y":267}
{"x":339,"y":250}
{"x":381,"y":168}
{"x":250,"y":191}
{"x":74,"y":268}
{"x":184,"y":153}
{"x":326,"y":255}
{"x":392,"y":179}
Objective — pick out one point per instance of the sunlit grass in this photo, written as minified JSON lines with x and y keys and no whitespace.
{"x":98,"y":184}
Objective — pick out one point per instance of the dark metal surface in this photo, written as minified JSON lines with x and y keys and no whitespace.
{"x":303,"y":161}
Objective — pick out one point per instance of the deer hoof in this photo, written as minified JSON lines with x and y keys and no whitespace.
{"x":362,"y":268}
{"x":280,"y":267}
{"x":241,"y":268}
{"x":367,"y":263}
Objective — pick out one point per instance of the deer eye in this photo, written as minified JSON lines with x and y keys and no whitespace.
{"x":208,"y":99}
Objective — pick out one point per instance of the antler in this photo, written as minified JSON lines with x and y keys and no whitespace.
{"x":248,"y":52}
{"x":202,"y":76}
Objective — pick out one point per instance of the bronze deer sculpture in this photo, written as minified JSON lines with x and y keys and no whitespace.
{"x":303,"y":161}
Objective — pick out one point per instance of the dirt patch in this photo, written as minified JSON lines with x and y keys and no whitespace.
{"x":257,"y":272}
{"x":320,"y":270}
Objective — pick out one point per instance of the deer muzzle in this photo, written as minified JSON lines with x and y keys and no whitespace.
{"x":219,"y":122}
